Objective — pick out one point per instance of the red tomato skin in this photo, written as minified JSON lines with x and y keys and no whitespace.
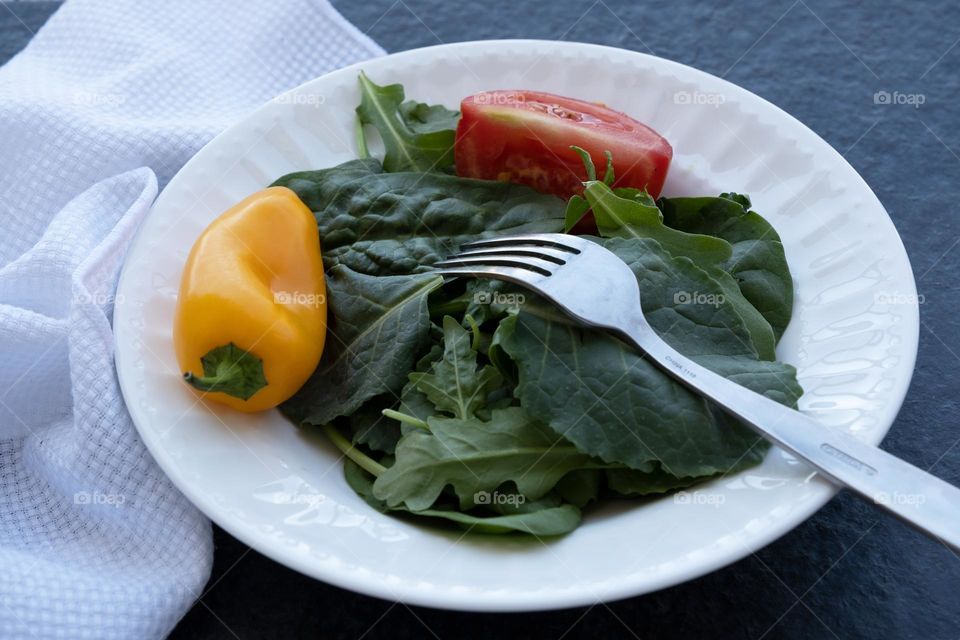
{"x":525,"y":137}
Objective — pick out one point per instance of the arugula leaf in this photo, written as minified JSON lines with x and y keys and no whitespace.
{"x":591,"y":169}
{"x":588,"y":165}
{"x":399,"y":223}
{"x":473,"y":456}
{"x":455,"y":385}
{"x":577,"y":208}
{"x":416,"y":136}
{"x":413,"y":402}
{"x":612,"y":403}
{"x":511,"y":501}
{"x":536,"y":518}
{"x":639,"y":217}
{"x":231,"y":370}
{"x":500,"y":358}
{"x":758,"y":262}
{"x":378,"y":328}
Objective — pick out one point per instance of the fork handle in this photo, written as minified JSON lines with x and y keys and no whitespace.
{"x":911,"y":494}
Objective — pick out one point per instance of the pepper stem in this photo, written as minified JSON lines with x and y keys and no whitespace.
{"x":230,"y":370}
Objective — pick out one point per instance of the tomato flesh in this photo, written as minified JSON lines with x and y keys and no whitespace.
{"x":525,"y":137}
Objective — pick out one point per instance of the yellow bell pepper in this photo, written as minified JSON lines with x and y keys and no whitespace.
{"x":251,"y":316}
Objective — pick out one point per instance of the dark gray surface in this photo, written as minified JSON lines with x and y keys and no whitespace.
{"x":848,"y":572}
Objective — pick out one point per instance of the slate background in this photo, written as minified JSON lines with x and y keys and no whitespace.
{"x":848,"y":572}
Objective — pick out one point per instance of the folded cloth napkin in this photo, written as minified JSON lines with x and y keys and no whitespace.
{"x":108,"y":100}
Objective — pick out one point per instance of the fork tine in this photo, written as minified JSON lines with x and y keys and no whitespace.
{"x":557,"y":240}
{"x":510,"y":274}
{"x":535,"y":265}
{"x":543,"y":253}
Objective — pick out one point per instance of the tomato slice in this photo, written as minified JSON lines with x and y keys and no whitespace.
{"x":525,"y":137}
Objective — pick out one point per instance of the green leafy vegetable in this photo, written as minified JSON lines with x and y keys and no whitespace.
{"x":416,"y":136}
{"x":231,"y":370}
{"x":384,"y":224}
{"x":479,"y":404}
{"x":639,"y":217}
{"x":612,"y":403}
{"x":378,"y":328}
{"x":577,"y":208}
{"x":580,"y":487}
{"x":633,"y":482}
{"x":546,"y":521}
{"x":455,"y":385}
{"x":758,"y":262}
{"x":351,"y":452}
{"x":415,"y":407}
{"x":474,"y":456}
{"x":628,"y":213}
{"x":370,"y":427}
{"x":587,"y":162}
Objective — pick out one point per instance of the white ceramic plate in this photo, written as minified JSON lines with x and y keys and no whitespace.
{"x":853,"y":338}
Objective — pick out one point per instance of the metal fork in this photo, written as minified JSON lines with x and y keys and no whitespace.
{"x":596,"y":288}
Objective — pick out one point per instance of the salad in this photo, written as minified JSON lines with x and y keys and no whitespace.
{"x":474,"y":402}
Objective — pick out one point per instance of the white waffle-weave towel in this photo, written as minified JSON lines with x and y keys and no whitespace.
{"x":107,"y":101}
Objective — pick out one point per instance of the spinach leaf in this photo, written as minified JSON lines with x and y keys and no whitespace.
{"x":612,"y":403}
{"x":758,"y":262}
{"x":378,"y":328}
{"x":536,"y":519}
{"x":474,"y":456}
{"x":416,"y":136}
{"x":398,"y":223}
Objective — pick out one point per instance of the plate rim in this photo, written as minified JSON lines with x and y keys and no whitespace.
{"x":488,"y":601}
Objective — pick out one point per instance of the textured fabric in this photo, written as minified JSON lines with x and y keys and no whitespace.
{"x":104,"y":105}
